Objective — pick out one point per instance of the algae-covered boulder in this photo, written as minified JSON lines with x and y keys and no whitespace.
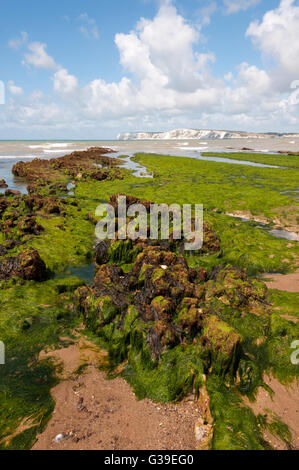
{"x":231,"y":287}
{"x":154,"y":311}
{"x":169,"y":302}
{"x":223,"y":343}
{"x":12,"y":193}
{"x":122,"y":251}
{"x":99,"y":311}
{"x":190,"y":316}
{"x":29,"y":225}
{"x":32,"y":266}
{"x":3,"y":250}
{"x":28,"y":265}
{"x":48,"y":205}
{"x":4,"y":204}
{"x":130,"y":200}
{"x":162,"y":308}
{"x":102,"y":252}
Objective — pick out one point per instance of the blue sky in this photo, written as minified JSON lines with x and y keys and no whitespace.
{"x":91,"y":69}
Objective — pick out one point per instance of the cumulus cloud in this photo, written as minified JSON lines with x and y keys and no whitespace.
{"x":255,"y":80}
{"x":277,"y":36}
{"x":162,"y":50}
{"x":14,"y":90}
{"x":168,"y":82}
{"x":38,"y":57}
{"x":63,"y":82}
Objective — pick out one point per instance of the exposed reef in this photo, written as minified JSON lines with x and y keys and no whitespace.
{"x":56,"y":173}
{"x":173,"y":321}
{"x":160,"y":309}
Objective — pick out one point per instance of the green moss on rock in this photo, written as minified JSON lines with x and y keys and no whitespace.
{"x":223,"y":343}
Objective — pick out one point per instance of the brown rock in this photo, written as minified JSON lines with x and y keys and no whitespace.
{"x":12,"y":192}
{"x":27,"y":265}
{"x":3,"y":184}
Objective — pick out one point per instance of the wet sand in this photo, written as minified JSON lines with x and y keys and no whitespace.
{"x":93,"y":413}
{"x":285,"y":405}
{"x":284,"y":282}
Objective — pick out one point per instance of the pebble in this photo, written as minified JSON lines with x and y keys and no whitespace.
{"x":59,"y":438}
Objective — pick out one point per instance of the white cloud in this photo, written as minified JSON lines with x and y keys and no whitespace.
{"x":64,"y":82}
{"x":88,"y":27}
{"x":167,"y":83}
{"x":255,"y":80}
{"x":277,"y":36}
{"x":38,"y":56}
{"x":18,"y":42}
{"x":234,"y":6}
{"x":162,"y":50}
{"x":14,"y":90}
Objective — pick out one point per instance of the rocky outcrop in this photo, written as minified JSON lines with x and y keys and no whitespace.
{"x":56,"y":173}
{"x":12,"y":192}
{"x":48,"y":205}
{"x":28,"y":265}
{"x":162,"y":304}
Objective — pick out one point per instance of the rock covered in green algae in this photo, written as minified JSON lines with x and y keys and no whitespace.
{"x":174,"y":306}
{"x":28,"y":265}
{"x":3,"y":250}
{"x":223,"y":342}
{"x":53,"y":175}
{"x":231,"y":287}
{"x":162,"y":305}
{"x":48,"y":205}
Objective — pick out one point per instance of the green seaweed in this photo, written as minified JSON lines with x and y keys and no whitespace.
{"x":235,"y":425}
{"x":34,"y":316}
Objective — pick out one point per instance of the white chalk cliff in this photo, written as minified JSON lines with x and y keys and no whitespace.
{"x":196,"y":134}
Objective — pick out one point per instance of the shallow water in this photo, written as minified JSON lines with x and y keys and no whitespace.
{"x":85,"y":273}
{"x":13,"y":151}
{"x":277,"y":233}
{"x":280,"y":233}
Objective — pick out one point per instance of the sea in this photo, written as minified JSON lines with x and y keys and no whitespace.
{"x":13,"y":151}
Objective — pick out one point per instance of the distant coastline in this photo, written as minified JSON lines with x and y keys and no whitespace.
{"x":199,"y":134}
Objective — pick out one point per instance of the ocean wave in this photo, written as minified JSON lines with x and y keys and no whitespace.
{"x":49,"y":146}
{"x":193,"y":149}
